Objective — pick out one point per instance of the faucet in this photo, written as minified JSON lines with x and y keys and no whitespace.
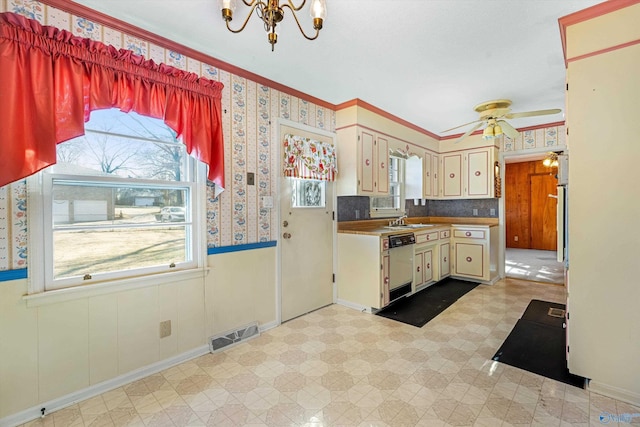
{"x":399,"y":221}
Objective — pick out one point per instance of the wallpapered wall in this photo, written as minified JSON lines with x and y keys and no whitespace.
{"x":249,"y":118}
{"x":550,"y":137}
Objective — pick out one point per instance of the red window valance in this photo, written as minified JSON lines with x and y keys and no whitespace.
{"x":50,"y":81}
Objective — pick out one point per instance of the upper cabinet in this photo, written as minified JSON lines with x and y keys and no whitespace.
{"x":469,"y":174}
{"x":363,"y":167}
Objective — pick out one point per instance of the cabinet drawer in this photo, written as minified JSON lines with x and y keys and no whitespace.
{"x":469,"y":234}
{"x":426,"y":237}
{"x":445,"y":234}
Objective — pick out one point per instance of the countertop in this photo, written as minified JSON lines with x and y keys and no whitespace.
{"x":380,"y":227}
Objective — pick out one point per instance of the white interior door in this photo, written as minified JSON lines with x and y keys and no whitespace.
{"x":305,"y":238}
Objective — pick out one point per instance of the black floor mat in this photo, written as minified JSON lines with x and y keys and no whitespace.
{"x":537,"y":345}
{"x":423,"y":306}
{"x":538,"y":311}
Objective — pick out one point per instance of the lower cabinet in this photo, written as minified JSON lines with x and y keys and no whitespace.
{"x":474,"y":252}
{"x":445,"y":255}
{"x":423,"y":266}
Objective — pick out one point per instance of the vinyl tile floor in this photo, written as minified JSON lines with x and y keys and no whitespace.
{"x":340,"y":367}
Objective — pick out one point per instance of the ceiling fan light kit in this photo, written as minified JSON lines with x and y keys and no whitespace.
{"x":271,"y":12}
{"x":492,"y":114}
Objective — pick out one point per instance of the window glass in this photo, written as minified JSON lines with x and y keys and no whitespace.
{"x":307,"y":193}
{"x":118,"y":203}
{"x":393,"y":204}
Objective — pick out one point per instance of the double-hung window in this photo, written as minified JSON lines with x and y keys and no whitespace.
{"x":393,"y":204}
{"x":121,"y":202}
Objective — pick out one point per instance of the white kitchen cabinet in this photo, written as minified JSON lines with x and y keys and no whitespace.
{"x":364,"y":162}
{"x":423,"y":266}
{"x":468,"y":174}
{"x":362,"y":275}
{"x":474,"y":253}
{"x":444,"y":253}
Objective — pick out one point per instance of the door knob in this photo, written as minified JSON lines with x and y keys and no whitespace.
{"x":287,"y":235}
{"x":285,"y":223}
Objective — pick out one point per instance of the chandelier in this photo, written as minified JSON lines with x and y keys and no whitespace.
{"x":272,"y":12}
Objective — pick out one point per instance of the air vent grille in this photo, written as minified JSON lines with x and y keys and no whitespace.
{"x":233,"y":337}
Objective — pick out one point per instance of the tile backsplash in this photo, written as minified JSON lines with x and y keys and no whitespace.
{"x":353,"y":208}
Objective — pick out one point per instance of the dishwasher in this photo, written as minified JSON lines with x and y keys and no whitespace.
{"x":400,"y":265}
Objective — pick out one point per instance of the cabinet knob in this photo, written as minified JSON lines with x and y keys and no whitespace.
{"x":386,"y":280}
{"x":452,"y":175}
{"x":468,"y":233}
{"x":469,"y":259}
{"x":286,"y":235}
{"x":477,"y":173}
{"x":418,"y":269}
{"x":367,"y":162}
{"x":428,"y":265}
{"x":445,"y":259}
{"x":382,"y":165}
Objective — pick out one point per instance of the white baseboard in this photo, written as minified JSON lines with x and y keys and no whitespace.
{"x":614,"y":392}
{"x":94,"y":390}
{"x":355,"y":306}
{"x":266,"y":326}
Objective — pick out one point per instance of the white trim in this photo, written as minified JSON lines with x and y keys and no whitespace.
{"x":97,"y":389}
{"x":68,"y":294}
{"x":614,"y":392}
{"x":266,"y":326}
{"x":355,"y":306}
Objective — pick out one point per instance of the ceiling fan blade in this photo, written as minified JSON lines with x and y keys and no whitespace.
{"x":508,"y":130}
{"x":466,"y":124}
{"x":469,"y":132}
{"x":532,"y":113}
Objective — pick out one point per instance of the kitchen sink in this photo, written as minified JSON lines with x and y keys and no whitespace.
{"x":406,"y":226}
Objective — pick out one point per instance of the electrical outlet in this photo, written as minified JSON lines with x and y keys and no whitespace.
{"x":515,"y":238}
{"x":475,"y":212}
{"x":492,"y":212}
{"x":251,"y":178}
{"x":165,"y":328}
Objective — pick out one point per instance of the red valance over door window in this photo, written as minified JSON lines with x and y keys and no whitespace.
{"x":50,"y":81}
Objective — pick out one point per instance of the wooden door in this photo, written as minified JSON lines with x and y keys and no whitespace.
{"x":543,"y":212}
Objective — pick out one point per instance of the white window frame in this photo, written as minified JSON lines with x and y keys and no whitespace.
{"x":40,"y":272}
{"x":376,"y":212}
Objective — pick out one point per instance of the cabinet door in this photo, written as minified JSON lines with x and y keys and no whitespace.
{"x":478,"y":174}
{"x":418,"y":269}
{"x":427,"y":262}
{"x":384,"y":279}
{"x":367,"y":163}
{"x":382,"y":168}
{"x":427,"y":175}
{"x":445,"y":270}
{"x":469,"y":260}
{"x":435,"y":173}
{"x":452,"y":175}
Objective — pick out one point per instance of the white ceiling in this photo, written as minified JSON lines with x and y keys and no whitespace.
{"x":426,"y":61}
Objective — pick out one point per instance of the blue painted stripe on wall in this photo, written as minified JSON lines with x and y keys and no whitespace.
{"x":7,"y":275}
{"x":236,"y":248}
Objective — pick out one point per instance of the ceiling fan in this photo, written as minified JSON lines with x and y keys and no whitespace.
{"x":493,"y":114}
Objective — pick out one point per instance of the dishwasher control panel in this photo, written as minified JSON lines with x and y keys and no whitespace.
{"x":401,"y":240}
